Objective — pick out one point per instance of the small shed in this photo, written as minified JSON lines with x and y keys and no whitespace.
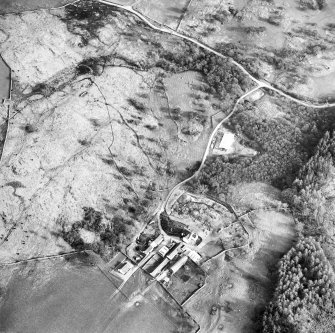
{"x":195,"y":256}
{"x":125,"y":267}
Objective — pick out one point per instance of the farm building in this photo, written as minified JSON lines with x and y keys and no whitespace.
{"x":159,"y":268}
{"x":153,"y":244}
{"x":173,"y":252}
{"x":227,"y":141}
{"x":157,"y":241}
{"x":179,"y":264}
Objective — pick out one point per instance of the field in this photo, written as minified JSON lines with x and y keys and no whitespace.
{"x":17,"y":6}
{"x":182,"y":98}
{"x":186,"y":281}
{"x":142,"y":318}
{"x":63,"y":294}
{"x":71,"y":294}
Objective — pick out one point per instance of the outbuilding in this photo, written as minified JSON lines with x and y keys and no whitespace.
{"x":163,"y":251}
{"x":125,"y":267}
{"x":195,"y":256}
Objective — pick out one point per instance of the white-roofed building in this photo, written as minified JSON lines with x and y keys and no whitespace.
{"x":157,"y":241}
{"x":163,"y":251}
{"x":194,"y":256}
{"x":125,"y":267}
{"x":227,"y":141}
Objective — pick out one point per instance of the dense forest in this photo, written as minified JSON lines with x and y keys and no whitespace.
{"x":284,"y":145}
{"x":312,"y":196}
{"x":304,"y":297}
{"x":304,"y":294}
{"x":307,"y":186}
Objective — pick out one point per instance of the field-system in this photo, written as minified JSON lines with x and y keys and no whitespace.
{"x":167,"y":166}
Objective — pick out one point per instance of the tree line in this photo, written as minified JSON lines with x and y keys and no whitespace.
{"x":284,"y":145}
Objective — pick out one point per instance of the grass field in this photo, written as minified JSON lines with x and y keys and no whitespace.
{"x":185,"y":93}
{"x":17,"y":6}
{"x":71,"y":294}
{"x":56,"y":295}
{"x":186,"y":281}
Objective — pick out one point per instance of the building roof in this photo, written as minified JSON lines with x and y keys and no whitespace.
{"x":159,"y":268}
{"x":180,"y":263}
{"x":194,"y":256}
{"x":191,"y":238}
{"x":148,"y":249}
{"x":157,"y":241}
{"x":227,"y":141}
{"x":163,"y":250}
{"x":174,"y":251}
{"x":125,"y":267}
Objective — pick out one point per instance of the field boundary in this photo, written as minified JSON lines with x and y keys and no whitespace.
{"x":51,"y":256}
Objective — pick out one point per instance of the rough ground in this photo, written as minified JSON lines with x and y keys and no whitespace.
{"x":91,"y":126}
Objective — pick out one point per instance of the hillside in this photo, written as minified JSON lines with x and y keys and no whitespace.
{"x":95,"y":124}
